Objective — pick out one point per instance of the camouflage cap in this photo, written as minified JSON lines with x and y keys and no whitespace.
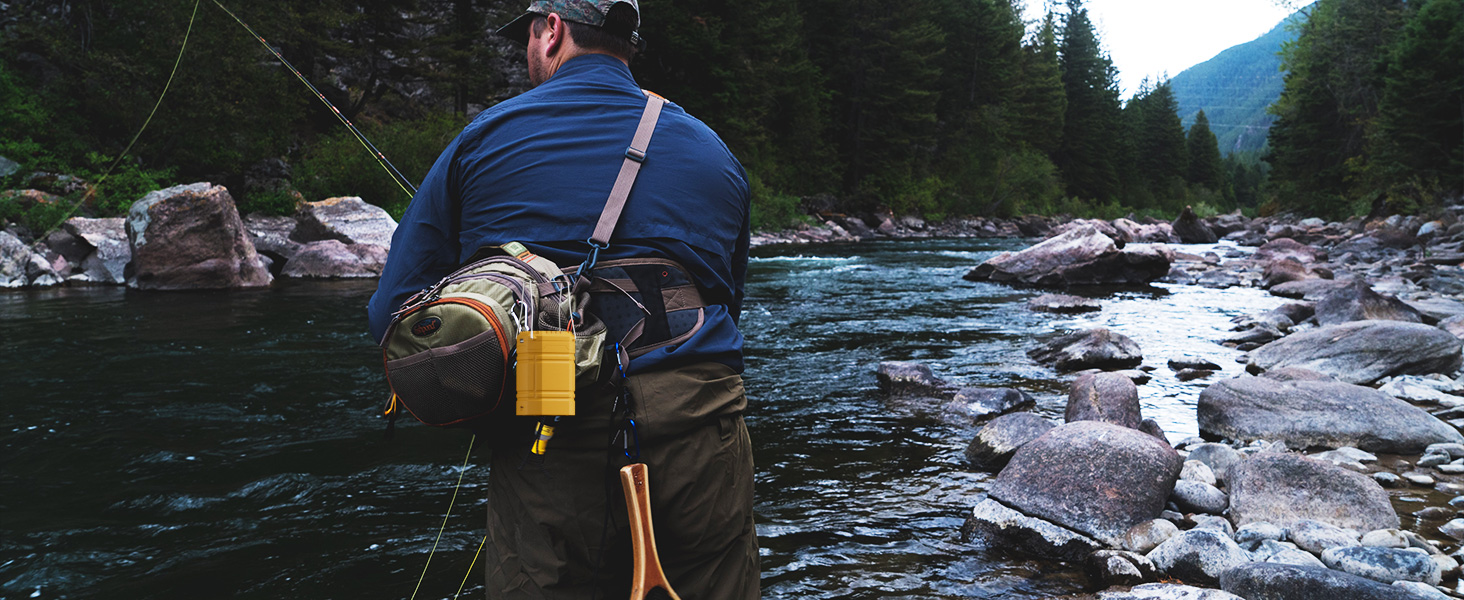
{"x":589,"y":12}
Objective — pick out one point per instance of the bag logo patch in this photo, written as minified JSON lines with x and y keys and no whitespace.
{"x":426,"y":327}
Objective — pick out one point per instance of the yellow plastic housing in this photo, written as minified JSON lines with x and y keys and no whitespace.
{"x":545,"y":373}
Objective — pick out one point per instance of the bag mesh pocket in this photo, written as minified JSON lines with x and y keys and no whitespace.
{"x":453,"y":383}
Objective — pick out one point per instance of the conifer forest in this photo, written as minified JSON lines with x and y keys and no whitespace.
{"x":941,"y":108}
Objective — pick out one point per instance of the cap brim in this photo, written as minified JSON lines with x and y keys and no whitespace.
{"x":518,"y":29}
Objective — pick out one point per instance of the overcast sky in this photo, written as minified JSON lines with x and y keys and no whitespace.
{"x":1151,"y":37}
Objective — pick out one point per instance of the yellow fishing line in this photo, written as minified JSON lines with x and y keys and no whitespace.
{"x":450,"y":504}
{"x":391,"y":170}
{"x":470,"y":568}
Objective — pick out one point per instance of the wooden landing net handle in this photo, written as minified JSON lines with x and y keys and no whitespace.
{"x":648,"y":580}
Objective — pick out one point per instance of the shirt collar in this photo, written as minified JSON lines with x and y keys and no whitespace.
{"x":596,"y":64}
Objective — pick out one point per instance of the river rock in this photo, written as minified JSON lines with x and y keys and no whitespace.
{"x":910,"y":379}
{"x":1148,"y":535}
{"x":1063,"y":304}
{"x":1195,"y":470}
{"x":985,"y":403}
{"x":1386,"y":538}
{"x":1219,"y":457}
{"x":1005,"y":528}
{"x":1117,"y":567}
{"x":1283,"y":489}
{"x":1080,"y":256}
{"x":1316,"y":537}
{"x":1307,"y":289}
{"x":1286,"y":270}
{"x":111,"y":254}
{"x":1422,"y":590}
{"x":331,"y":259}
{"x":349,"y":220}
{"x":1257,"y":532}
{"x":1308,"y":414}
{"x":1358,"y":302}
{"x":1096,"y":478}
{"x":1198,"y":556}
{"x":1384,"y":564}
{"x":1107,"y":397}
{"x":997,"y":441}
{"x":1288,"y":248}
{"x":1363,"y":352}
{"x":1092,"y":349}
{"x":191,"y":237}
{"x":271,"y":236}
{"x":1133,"y":232}
{"x":14,"y":256}
{"x":1194,"y":496}
{"x":1284,"y":553}
{"x":1191,"y":230}
{"x":1167,"y":591}
{"x":1271,"y":581}
{"x":1180,"y":363}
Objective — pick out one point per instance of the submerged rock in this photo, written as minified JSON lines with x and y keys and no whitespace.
{"x":1363,"y":352}
{"x":984,"y":403}
{"x":1308,"y":414}
{"x":1063,"y":304}
{"x":1092,"y":349}
{"x":1096,"y":478}
{"x":899,"y":378}
{"x":1266,"y":488}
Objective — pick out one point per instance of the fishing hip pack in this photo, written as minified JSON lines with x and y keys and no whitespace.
{"x":508,"y":324}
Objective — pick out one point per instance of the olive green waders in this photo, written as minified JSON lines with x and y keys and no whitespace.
{"x":547,"y":523}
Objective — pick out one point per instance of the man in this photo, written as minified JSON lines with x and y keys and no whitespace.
{"x":538,"y":169}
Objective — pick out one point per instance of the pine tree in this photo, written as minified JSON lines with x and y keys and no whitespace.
{"x":1091,"y":124}
{"x":1419,"y":138}
{"x":1332,"y":87}
{"x":1040,"y":103}
{"x":1203,"y":155}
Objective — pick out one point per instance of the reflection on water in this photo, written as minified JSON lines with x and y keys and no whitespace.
{"x":228,"y":444}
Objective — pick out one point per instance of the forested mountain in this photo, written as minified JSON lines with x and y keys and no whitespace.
{"x":1236,"y":87}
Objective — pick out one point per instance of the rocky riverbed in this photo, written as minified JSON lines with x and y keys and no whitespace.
{"x":1331,"y":469}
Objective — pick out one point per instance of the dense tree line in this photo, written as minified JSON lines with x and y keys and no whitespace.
{"x":939,"y":107}
{"x":1372,"y":115}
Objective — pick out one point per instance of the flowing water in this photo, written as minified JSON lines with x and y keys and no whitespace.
{"x":193,"y":445}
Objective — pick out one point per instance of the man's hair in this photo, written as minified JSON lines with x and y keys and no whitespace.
{"x":612,"y":38}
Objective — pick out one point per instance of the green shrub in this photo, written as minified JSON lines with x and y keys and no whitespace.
{"x":340,"y":166}
{"x":123,"y":186}
{"x":772,"y":210}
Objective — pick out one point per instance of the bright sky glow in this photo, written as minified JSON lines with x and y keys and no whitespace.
{"x":1148,"y":38}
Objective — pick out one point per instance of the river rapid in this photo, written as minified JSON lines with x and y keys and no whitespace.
{"x":228,"y":444}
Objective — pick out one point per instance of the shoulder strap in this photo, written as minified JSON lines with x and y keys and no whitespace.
{"x":635,"y":154}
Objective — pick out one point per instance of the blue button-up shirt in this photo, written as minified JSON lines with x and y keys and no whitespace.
{"x":538,"y":168}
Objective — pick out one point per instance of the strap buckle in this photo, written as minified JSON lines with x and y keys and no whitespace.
{"x":635,"y":154}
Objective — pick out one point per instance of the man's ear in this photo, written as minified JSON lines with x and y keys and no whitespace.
{"x":555,"y":31}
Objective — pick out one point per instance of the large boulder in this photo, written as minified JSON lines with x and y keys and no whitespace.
{"x":14,"y":256}
{"x":110,"y":252}
{"x":1092,"y":349}
{"x":1096,"y":478}
{"x":1273,"y":581}
{"x":1191,"y":230}
{"x":1081,"y":256}
{"x":1307,"y":414}
{"x":1363,"y":352}
{"x":997,"y":441}
{"x":333,"y":259}
{"x":1358,"y":302}
{"x":191,"y":237}
{"x":271,"y":236}
{"x":1282,"y":489}
{"x":1108,"y":397}
{"x":349,"y":220}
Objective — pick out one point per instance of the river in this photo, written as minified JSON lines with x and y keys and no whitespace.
{"x":228,"y":444}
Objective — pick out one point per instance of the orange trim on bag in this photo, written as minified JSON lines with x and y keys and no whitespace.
{"x":497,"y":325}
